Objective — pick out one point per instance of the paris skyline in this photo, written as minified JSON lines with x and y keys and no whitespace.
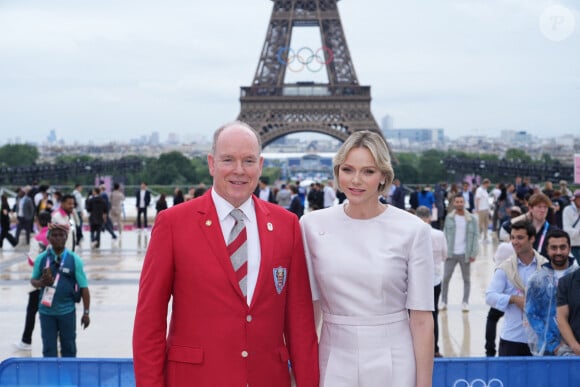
{"x":119,"y":69}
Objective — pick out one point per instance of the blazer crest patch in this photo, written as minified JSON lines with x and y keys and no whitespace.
{"x":280,"y":275}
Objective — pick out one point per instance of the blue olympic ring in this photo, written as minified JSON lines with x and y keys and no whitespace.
{"x":478,"y":383}
{"x":297,"y":61}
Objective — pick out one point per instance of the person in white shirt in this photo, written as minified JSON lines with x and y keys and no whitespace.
{"x":79,"y":208}
{"x":439,"y":246}
{"x":571,"y":224}
{"x":462,"y":247}
{"x":482,"y":208}
{"x":329,"y":195}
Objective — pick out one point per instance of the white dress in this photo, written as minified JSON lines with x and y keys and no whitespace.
{"x":367,"y":274}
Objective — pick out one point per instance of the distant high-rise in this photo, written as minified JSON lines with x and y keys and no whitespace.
{"x":425,"y":136}
{"x":154,"y":138}
{"x":172,"y":138}
{"x":51,"y":138}
{"x":520,"y":137}
{"x":387,"y":123}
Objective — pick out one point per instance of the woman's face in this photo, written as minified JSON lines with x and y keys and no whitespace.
{"x":359,"y":177}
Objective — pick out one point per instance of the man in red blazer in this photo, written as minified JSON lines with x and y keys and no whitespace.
{"x":217,"y":335}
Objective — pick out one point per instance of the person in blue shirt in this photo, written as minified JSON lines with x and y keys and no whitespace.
{"x":508,"y":285}
{"x":540,"y":300}
{"x":60,"y":275}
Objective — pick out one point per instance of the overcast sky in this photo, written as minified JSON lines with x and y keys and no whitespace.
{"x":118,"y":69}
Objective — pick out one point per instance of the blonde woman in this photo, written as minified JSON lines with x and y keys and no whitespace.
{"x":371,"y":273}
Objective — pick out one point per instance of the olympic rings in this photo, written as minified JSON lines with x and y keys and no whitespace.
{"x":478,"y":383}
{"x":304,"y":58}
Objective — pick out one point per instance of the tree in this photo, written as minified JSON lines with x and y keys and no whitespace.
{"x":431,"y":167}
{"x":517,"y":155}
{"x":15,"y":155}
{"x":406,"y":169}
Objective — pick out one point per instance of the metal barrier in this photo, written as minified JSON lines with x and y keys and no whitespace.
{"x":451,"y":372}
{"x":79,"y":372}
{"x":507,"y":372}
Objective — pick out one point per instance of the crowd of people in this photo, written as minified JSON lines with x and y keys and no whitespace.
{"x":274,"y":266}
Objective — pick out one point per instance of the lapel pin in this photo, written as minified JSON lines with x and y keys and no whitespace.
{"x":269,"y":226}
{"x":208,"y":223}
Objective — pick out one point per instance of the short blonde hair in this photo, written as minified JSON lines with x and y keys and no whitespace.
{"x":377,"y":146}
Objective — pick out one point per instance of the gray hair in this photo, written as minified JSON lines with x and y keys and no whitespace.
{"x":423,"y":212}
{"x":219,"y":131}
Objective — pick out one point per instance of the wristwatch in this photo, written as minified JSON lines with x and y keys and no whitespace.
{"x":86,"y":312}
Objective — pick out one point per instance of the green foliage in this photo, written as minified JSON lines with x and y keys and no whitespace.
{"x":517,"y":155}
{"x":546,"y":158}
{"x":201,"y":170}
{"x":73,"y":159}
{"x":431,"y":169}
{"x":14,"y":155}
{"x":406,"y":169}
{"x":272,"y":174}
{"x":173,"y":169}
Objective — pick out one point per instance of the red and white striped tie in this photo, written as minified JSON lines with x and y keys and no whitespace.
{"x":238,"y":249}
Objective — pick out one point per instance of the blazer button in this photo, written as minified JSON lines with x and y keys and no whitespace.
{"x":244,"y":353}
{"x":249,"y":318}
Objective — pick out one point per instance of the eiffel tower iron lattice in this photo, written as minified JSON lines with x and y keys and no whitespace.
{"x":275,"y":108}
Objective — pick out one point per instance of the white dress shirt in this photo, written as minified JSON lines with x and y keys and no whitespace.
{"x":224,"y":208}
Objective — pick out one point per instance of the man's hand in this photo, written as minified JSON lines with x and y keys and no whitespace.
{"x":518,"y":300}
{"x":85,"y":321}
{"x":46,"y":279}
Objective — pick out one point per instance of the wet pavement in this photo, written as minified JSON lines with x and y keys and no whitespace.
{"x":113,"y":274}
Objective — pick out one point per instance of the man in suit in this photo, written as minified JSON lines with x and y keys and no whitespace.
{"x":398,"y":197}
{"x":143,"y":196}
{"x":24,"y":209}
{"x":263,"y":191}
{"x":229,"y":327}
{"x":468,"y":197}
{"x":296,"y":205}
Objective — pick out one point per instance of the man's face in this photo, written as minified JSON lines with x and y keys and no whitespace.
{"x":521,"y":242}
{"x":68,"y":205}
{"x":459,"y":203}
{"x":577,"y":201}
{"x":236,"y":164}
{"x":558,"y":252}
{"x":57,"y":238}
{"x":539,"y":212}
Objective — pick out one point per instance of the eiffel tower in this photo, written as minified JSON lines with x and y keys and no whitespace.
{"x":275,"y":108}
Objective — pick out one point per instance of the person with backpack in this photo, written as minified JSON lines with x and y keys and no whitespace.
{"x":59,"y":274}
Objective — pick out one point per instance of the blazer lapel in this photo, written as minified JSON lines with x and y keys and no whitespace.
{"x":210,"y":227}
{"x":266,"y":228}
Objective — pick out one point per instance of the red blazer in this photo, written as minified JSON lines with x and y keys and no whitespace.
{"x":214,"y":338}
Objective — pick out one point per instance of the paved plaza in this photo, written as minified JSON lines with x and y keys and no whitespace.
{"x":113,"y":273}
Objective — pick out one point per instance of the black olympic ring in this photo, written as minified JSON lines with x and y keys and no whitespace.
{"x":304,"y":57}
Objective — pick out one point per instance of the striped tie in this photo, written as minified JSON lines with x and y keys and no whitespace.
{"x":238,"y":249}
